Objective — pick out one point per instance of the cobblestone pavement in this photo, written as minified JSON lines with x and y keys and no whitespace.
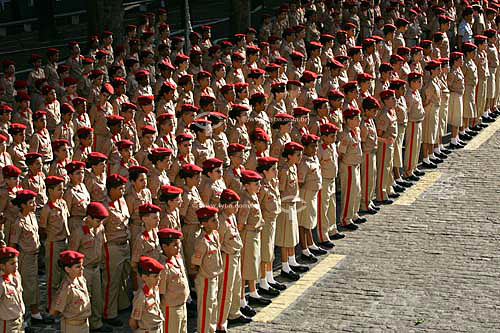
{"x":428,"y":267}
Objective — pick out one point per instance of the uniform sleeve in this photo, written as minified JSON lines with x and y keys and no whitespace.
{"x":68,"y":197}
{"x":199,"y":251}
{"x":137,"y":249}
{"x":15,"y":232}
{"x":164,"y":277}
{"x":137,"y":306}
{"x":343,"y":144}
{"x":185,"y":206}
{"x":302,"y":172}
{"x":242,"y":215}
{"x":74,"y":240}
{"x":62,"y":298}
{"x":34,"y":143}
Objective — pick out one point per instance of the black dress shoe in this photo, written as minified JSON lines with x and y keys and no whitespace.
{"x":465,"y":137}
{"x":398,"y":189}
{"x":291,"y":275}
{"x":259,"y":301}
{"x":309,"y":258}
{"x":482,"y":125}
{"x":350,"y":226}
{"x":413,"y":178}
{"x":488,"y":119}
{"x":248,"y":311}
{"x":360,"y":220}
{"x":318,"y":252}
{"x":384,"y":202}
{"x":103,"y":328}
{"x":299,"y":268}
{"x":471,"y":132}
{"x":336,"y":236}
{"x":394,"y":195}
{"x":45,"y":320}
{"x":436,"y":160}
{"x":220,"y":331}
{"x":445,"y":151}
{"x":403,"y":183}
{"x":455,"y":146}
{"x":429,"y":165}
{"x":476,"y":128}
{"x":369,"y":211}
{"x":419,"y":173}
{"x":327,"y":245}
{"x":278,"y":286}
{"x":441,"y":155}
{"x":113,"y":322}
{"x":271,"y":292}
{"x":375,"y":207}
{"x":239,"y":320}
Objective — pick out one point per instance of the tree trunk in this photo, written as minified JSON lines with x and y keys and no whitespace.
{"x":240,"y":15}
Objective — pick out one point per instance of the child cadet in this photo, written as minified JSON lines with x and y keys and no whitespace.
{"x":73,"y":299}
{"x":207,"y":261}
{"x":11,"y":292}
{"x":89,"y":240}
{"x":174,"y":285}
{"x":146,"y":314}
{"x":138,"y":194}
{"x":76,"y":195}
{"x":170,"y":200}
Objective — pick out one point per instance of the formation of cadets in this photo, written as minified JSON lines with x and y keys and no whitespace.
{"x":172,"y":172}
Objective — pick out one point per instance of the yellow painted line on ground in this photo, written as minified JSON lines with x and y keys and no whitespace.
{"x":409,"y":197}
{"x":293,"y":292}
{"x":483,"y":136}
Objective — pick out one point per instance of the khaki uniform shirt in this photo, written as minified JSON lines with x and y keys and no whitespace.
{"x":11,"y":297}
{"x":174,"y":285}
{"x":169,"y":219}
{"x":37,"y":185}
{"x":96,"y":186}
{"x":168,"y":141}
{"x":229,"y":235}
{"x":53,"y":115}
{"x":269,"y":199}
{"x":210,"y":191}
{"x":24,"y":233}
{"x":56,"y":224}
{"x":278,"y":146}
{"x":492,"y":54}
{"x":221,"y":143}
{"x":176,"y":166}
{"x":368,"y":136}
{"x":232,"y":178}
{"x":401,"y":111}
{"x":98,"y":115}
{"x":249,"y":215}
{"x":77,"y":198}
{"x":191,"y":202}
{"x":275,"y":107}
{"x":134,"y":200}
{"x":328,"y":160}
{"x":157,"y":179}
{"x":17,"y":153}
{"x":73,"y":300}
{"x":146,"y":244}
{"x":203,"y":151}
{"x":116,"y":225}
{"x":416,"y":112}
{"x":40,"y":142}
{"x":350,"y":146}
{"x":309,"y":173}
{"x":289,"y":184}
{"x":88,"y":241}
{"x":65,"y":131}
{"x":207,"y":255}
{"x":58,"y":168}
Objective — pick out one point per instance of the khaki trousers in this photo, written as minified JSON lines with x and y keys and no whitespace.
{"x":413,"y":143}
{"x":206,"y":289}
{"x":115,"y":281}
{"x":443,"y":113}
{"x":94,"y":285}
{"x":73,"y":327}
{"x":350,"y":191}
{"x":190,"y":232}
{"x":398,"y":147}
{"x":229,"y":288}
{"x":54,"y":273}
{"x":327,"y":210}
{"x":368,"y":178}
{"x":175,"y":319}
{"x":12,"y":326}
{"x":481,"y":97}
{"x":28,"y":268}
{"x":385,"y":153}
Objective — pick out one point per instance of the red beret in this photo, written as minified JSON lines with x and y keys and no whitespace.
{"x":214,"y":116}
{"x":189,"y":108}
{"x":116,"y":180}
{"x":47,"y":89}
{"x":32,"y":156}
{"x":328,"y":128}
{"x":97,"y":210}
{"x":150,"y":265}
{"x":164,"y":116}
{"x":148,"y":130}
{"x":389,"y":27}
{"x":425,"y":43}
{"x":128,"y":106}
{"x":203,"y":74}
{"x":490,"y":33}
{"x":26,"y":195}
{"x":107,"y":88}
{"x":183,"y":137}
{"x":141,"y":74}
{"x":371,"y":102}
{"x":267,"y":161}
{"x":387,"y":93}
{"x":396,"y":58}
{"x":22,"y":96}
{"x":467,"y":47}
{"x":226,"y":88}
{"x":414,"y":75}
{"x":138,"y":169}
{"x":293,"y":146}
{"x":332,"y":63}
{"x":74,"y":165}
{"x":335,"y":94}
{"x":377,"y":38}
{"x":52,"y":51}
{"x":212,"y":163}
{"x":161,"y":152}
{"x":199,"y":123}
{"x":84,"y":130}
{"x":309,"y":76}
{"x":20,"y":84}
{"x":171,"y":190}
{"x":70,"y":257}
{"x":206,"y":212}
{"x":385,"y":67}
{"x":351,"y":112}
{"x":205,"y":28}
{"x":250,"y":176}
{"x":350,"y":25}
{"x":296,"y":55}
{"x":402,"y":21}
{"x":257,"y":97}
{"x":252,"y":49}
{"x":114,"y":119}
{"x":272,"y":67}
{"x":54,"y":180}
{"x":78,"y":100}
{"x":294,"y":83}
{"x":261,"y":135}
{"x":218,"y":65}
{"x":456,"y":55}
{"x":416,"y":49}
{"x":168,"y":233}
{"x":309,"y":138}
{"x":240,"y":85}
{"x":350,"y":85}
{"x":3,"y":138}
{"x":398,"y":82}
{"x":237,"y":56}
{"x":166,"y":65}
{"x":145,"y":100}
{"x":96,"y":157}
{"x":280,"y":61}
{"x":39,"y":114}
{"x":8,"y":252}
{"x":432,"y":64}
{"x":368,"y":41}
{"x":300,"y":111}
{"x":67,"y":108}
{"x":278,"y":86}
{"x":235,"y":147}
{"x":149,"y":209}
{"x":403,"y":50}
{"x":229,"y":195}
{"x":11,"y":171}
{"x":88,"y":61}
{"x":364,"y":77}
{"x":5,"y":108}
{"x":191,"y":168}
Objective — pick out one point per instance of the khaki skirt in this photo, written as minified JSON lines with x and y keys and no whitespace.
{"x":287,"y":226}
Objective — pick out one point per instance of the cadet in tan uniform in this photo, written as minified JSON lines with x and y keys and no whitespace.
{"x":122,"y":158}
{"x":95,"y":178}
{"x":416,"y":114}
{"x":148,"y":134}
{"x":76,"y":195}
{"x":169,"y":199}
{"x":493,"y":62}
{"x":89,"y":239}
{"x":138,"y":195}
{"x":387,"y":131}
{"x":229,"y":289}
{"x":58,"y":166}
{"x":203,"y":147}
{"x":471,"y":79}
{"x":11,"y":292}
{"x":184,"y":156}
{"x":54,"y":228}
{"x":116,"y":250}
{"x":287,"y":225}
{"x":85,"y":142}
{"x":283,"y":125}
{"x":19,"y":148}
{"x":158,"y":176}
{"x":369,"y":144}
{"x":40,"y":141}
{"x":24,"y":236}
{"x":8,"y":192}
{"x":219,"y":136}
{"x":73,"y":299}
{"x":233,"y":173}
{"x":174,"y":285}
{"x":483,"y":74}
{"x":212,"y":184}
{"x":191,"y":201}
{"x":34,"y":180}
{"x":206,"y":260}
{"x":350,"y":156}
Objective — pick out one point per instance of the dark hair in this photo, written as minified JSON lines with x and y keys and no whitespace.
{"x":167,"y":197}
{"x":3,"y":261}
{"x":227,"y":202}
{"x":287,"y":153}
{"x":183,"y":174}
{"x":262,"y":168}
{"x":133,"y":176}
{"x":207,"y":170}
{"x":167,"y":241}
{"x":143,"y":272}
{"x":51,"y":186}
{"x":63,"y":266}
